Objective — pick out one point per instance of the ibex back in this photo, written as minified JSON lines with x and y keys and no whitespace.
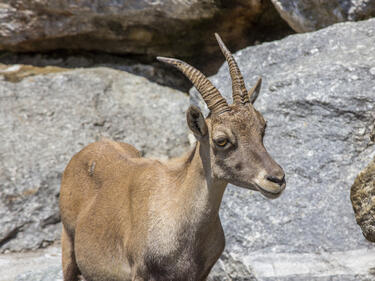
{"x":130,"y":218}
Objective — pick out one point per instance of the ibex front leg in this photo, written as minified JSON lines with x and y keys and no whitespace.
{"x":70,"y":268}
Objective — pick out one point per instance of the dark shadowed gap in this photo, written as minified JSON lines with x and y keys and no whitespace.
{"x":147,"y":66}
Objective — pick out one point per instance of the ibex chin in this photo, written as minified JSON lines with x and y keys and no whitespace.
{"x":131,"y":218}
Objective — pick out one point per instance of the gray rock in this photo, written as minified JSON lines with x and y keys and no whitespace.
{"x":304,"y":16}
{"x":318,"y":96}
{"x":363,"y":200}
{"x":46,"y":119}
{"x":148,"y":27}
{"x":43,"y":264}
{"x":50,"y":274}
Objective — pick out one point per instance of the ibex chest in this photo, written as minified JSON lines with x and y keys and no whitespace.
{"x":185,"y":254}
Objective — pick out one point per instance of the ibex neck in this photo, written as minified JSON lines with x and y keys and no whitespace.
{"x":200,"y":189}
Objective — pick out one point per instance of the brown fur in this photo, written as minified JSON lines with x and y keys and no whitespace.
{"x":132,"y":218}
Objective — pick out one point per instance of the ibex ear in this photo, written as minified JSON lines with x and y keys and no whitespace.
{"x":196,"y":122}
{"x":254,"y":91}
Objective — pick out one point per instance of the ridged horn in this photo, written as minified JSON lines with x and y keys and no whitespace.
{"x":239,"y":91}
{"x":212,"y":97}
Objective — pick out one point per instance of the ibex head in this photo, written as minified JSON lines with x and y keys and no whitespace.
{"x":233,"y":134}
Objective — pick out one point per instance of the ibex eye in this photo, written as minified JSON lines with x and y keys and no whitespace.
{"x":221,"y":142}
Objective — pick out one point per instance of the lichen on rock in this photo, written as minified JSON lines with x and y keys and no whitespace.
{"x":362,"y":195}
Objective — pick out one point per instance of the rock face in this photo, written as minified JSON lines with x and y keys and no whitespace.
{"x":170,"y":27}
{"x":304,"y":16}
{"x":318,"y":97}
{"x":46,"y":119}
{"x":363,"y":200}
{"x":43,"y":264}
{"x":51,"y":274}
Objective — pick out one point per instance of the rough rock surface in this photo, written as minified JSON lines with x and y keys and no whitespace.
{"x":318,"y":97}
{"x":170,"y":27}
{"x":43,"y":264}
{"x":304,"y":16}
{"x":46,"y":119}
{"x":363,"y":200}
{"x":53,"y":273}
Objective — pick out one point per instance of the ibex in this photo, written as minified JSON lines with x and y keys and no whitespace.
{"x":131,"y":218}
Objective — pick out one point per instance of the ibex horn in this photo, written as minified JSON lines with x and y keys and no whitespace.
{"x":254,"y":91}
{"x":240,"y":95}
{"x":212,"y":97}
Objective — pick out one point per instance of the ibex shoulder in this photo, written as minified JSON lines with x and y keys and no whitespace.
{"x":99,"y":160}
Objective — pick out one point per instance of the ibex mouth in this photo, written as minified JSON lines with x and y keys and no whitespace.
{"x":269,"y":194}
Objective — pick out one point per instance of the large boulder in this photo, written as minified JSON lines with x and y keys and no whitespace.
{"x":318,"y":97}
{"x":304,"y":16}
{"x":363,"y":200}
{"x":46,"y":118}
{"x":169,"y":27}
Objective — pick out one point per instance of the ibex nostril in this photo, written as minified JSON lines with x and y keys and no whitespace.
{"x":276,"y":180}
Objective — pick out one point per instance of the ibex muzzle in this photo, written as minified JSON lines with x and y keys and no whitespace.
{"x":131,"y":218}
